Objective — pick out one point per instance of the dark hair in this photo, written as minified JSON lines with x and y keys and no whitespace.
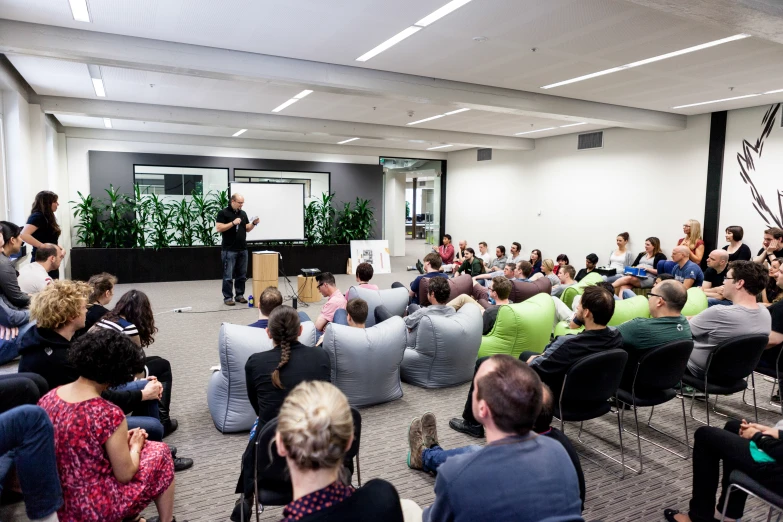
{"x":539,"y":254}
{"x":513,"y":393}
{"x":775,"y":232}
{"x":571,"y":270}
{"x":269,"y":299}
{"x":358,"y":310}
{"x":673,"y":294}
{"x":600,"y":302}
{"x":736,"y":232}
{"x":502,"y":249}
{"x":439,"y":287}
{"x":483,"y":243}
{"x":448,"y":236}
{"x":284,"y":328}
{"x":665,"y":277}
{"x":43,"y":204}
{"x":9,"y":230}
{"x":624,"y":235}
{"x":135,"y":307}
{"x":519,"y":246}
{"x":544,"y":420}
{"x":511,"y":266}
{"x":563,"y":257}
{"x":100,"y":283}
{"x":325,"y":278}
{"x":753,"y":274}
{"x":45,"y":252}
{"x":656,"y":243}
{"x":364,"y":272}
{"x":527,"y":268}
{"x":502,"y":287}
{"x":434,"y":260}
{"x":607,"y":285}
{"x":106,"y":357}
{"x":592,"y":258}
{"x":469,"y":249}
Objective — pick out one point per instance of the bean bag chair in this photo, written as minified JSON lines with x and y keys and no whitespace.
{"x":521,"y":326}
{"x":520,"y":291}
{"x":394,"y":299}
{"x":624,"y":311}
{"x":696,"y":303}
{"x":572,"y":291}
{"x":445,"y":350}
{"x":227,"y":391}
{"x":462,"y":284}
{"x":366,"y":362}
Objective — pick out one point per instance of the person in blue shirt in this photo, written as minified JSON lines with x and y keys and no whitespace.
{"x":432,"y":264}
{"x":682,"y":268}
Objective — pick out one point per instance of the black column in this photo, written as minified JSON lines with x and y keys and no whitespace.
{"x":714,"y":182}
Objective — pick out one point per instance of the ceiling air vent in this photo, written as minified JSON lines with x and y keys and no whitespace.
{"x":484,"y":155}
{"x":591,"y":140}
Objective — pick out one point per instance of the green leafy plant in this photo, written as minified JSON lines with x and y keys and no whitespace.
{"x":222,"y":199}
{"x":141,"y":207}
{"x":407,"y":210}
{"x":355,"y":224}
{"x":205,"y":208}
{"x":182,"y":219}
{"x":88,"y":228}
{"x":323,"y":217}
{"x":115,"y":225}
{"x":162,"y":216}
{"x":310,"y":218}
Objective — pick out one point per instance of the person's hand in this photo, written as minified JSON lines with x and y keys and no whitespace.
{"x":136,"y":439}
{"x":256,"y":221}
{"x":7,"y":333}
{"x":765,"y":430}
{"x":774,"y":245}
{"x":237,"y":221}
{"x":152,"y":391}
{"x":530,"y":359}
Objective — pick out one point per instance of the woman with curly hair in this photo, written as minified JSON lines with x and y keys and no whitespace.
{"x":107,"y":471}
{"x":42,"y":227}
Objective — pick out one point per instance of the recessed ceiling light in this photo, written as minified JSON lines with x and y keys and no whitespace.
{"x":649,"y":60}
{"x":440,"y":13}
{"x":284,"y":105}
{"x":239,"y":133}
{"x":440,"y":147}
{"x":346,"y":141}
{"x":79,"y":10}
{"x":480,"y":39}
{"x":394,"y":40}
{"x":716,"y":101}
{"x":107,"y":123}
{"x":97,"y":84}
{"x":573,"y":124}
{"x":426,"y":119}
{"x":774,"y":92}
{"x":303,"y":94}
{"x":456,"y":112}
{"x":531,"y":132}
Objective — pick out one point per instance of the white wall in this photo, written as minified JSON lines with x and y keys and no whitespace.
{"x":766,"y":173}
{"x":564,"y":201}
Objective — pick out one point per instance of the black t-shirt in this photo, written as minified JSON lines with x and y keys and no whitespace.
{"x":712,"y":276}
{"x":44,"y":232}
{"x":235,"y":238}
{"x":776,"y":311}
{"x":581,"y":274}
{"x":377,"y":500}
{"x":777,"y":253}
{"x":742,"y":254}
{"x":489,"y":318}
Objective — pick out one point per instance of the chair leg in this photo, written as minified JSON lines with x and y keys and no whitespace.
{"x":779,"y":407}
{"x":358,"y":470}
{"x":622,"y":452}
{"x":755,"y":407}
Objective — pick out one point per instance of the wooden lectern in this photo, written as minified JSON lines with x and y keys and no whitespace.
{"x":264,"y":272}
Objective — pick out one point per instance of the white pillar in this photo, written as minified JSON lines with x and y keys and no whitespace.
{"x":394,"y":213}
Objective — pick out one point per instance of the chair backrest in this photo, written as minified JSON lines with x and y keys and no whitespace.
{"x":461,"y":284}
{"x":628,"y":309}
{"x":523,"y":290}
{"x":394,"y":299}
{"x":696,"y":303}
{"x":595,"y":378}
{"x":521,"y":327}
{"x":661,"y":368}
{"x":572,"y":291}
{"x":735,"y":358}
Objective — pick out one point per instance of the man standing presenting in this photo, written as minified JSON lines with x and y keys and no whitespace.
{"x":233,"y":225}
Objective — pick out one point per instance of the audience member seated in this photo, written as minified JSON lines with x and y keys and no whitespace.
{"x":107,"y":472}
{"x":743,"y":281}
{"x":547,"y":270}
{"x":516,"y":253}
{"x":334,"y":300}
{"x":438,"y":293}
{"x":523,"y":272}
{"x":34,"y":276}
{"x":432,"y":264}
{"x":562,"y":260}
{"x":102,"y":293}
{"x":620,"y":257}
{"x":26,"y":436}
{"x":682,"y":268}
{"x":508,"y":272}
{"x":486,"y":483}
{"x":536,"y":259}
{"x":754,"y":449}
{"x":484,"y":254}
{"x":11,"y":319}
{"x":270,"y":299}
{"x":499,"y":291}
{"x":648,"y":260}
{"x":18,"y":389}
{"x":772,"y":249}
{"x":772,"y":291}
{"x":666,"y":324}
{"x":717,"y":265}
{"x":364,"y":273}
{"x":590,"y":262}
{"x":497,"y":264}
{"x":770,"y":356}
{"x":565,"y":276}
{"x":738,"y":251}
{"x":692,"y":240}
{"x":459,"y":258}
{"x":354,"y":314}
{"x":445,"y":251}
{"x":314,"y":432}
{"x":9,"y":284}
{"x":471,"y":264}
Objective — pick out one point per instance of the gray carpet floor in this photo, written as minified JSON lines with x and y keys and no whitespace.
{"x":205,"y":492}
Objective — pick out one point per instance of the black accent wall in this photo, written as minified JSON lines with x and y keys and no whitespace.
{"x":346,"y":180}
{"x":714,"y":182}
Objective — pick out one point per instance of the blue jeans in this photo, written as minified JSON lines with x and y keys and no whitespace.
{"x":711,"y":301}
{"x":234,"y":273}
{"x":340,"y":317}
{"x":26,"y":433}
{"x":433,"y":457}
{"x":485,"y":282}
{"x":629,"y":294}
{"x":147,"y":415}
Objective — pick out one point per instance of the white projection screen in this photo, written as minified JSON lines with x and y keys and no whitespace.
{"x":280,"y":207}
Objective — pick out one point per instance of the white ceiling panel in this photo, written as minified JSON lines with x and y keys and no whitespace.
{"x":54,"y":77}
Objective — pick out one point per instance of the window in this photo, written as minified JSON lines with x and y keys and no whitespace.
{"x":316,"y":183}
{"x":179,"y":181}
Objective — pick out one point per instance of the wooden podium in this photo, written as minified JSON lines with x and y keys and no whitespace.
{"x":307,"y":287}
{"x":264,"y":272}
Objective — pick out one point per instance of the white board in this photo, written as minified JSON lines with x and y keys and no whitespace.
{"x":375,"y":252}
{"x":280,"y":207}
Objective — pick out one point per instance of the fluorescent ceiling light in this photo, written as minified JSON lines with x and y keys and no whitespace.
{"x":649,"y":60}
{"x":303,"y":94}
{"x":97,"y":84}
{"x":284,"y":105}
{"x":440,"y":13}
{"x":426,"y":119}
{"x":346,"y":141}
{"x":107,"y":123}
{"x":716,"y":101}
{"x":573,"y":124}
{"x":456,"y":112}
{"x":239,"y":133}
{"x":531,"y":132}
{"x":394,"y":40}
{"x":774,"y":92}
{"x":440,"y":147}
{"x":79,"y":10}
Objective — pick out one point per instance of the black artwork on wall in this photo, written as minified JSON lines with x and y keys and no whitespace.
{"x":772,"y":216}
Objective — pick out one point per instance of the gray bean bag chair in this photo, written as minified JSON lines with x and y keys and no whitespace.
{"x":394,"y":299}
{"x":366,"y":362}
{"x":227,"y":392}
{"x":445,"y":350}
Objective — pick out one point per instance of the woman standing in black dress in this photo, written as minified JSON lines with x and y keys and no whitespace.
{"x":42,"y":226}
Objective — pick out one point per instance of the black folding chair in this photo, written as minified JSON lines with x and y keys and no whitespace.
{"x":658,"y":371}
{"x":741,"y":481}
{"x":728,"y":367}
{"x":587,"y":387}
{"x":775,"y":374}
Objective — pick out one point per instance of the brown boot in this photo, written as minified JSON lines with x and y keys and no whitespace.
{"x":415,"y":444}
{"x":429,"y":430}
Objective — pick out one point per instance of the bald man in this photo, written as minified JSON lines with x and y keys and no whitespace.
{"x":684,"y":270}
{"x":233,"y":225}
{"x":717,"y":264}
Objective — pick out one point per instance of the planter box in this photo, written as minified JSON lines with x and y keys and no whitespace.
{"x":146,"y":265}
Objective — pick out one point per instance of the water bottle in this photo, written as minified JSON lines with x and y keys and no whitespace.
{"x":250,"y":302}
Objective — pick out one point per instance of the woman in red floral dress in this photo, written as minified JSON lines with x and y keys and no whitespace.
{"x":108,"y":473}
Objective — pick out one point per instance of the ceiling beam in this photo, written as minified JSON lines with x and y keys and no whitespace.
{"x":273,"y":122}
{"x":177,"y":58}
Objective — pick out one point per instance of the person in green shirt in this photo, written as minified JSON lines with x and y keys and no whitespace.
{"x":665,"y":325}
{"x":471,"y":265}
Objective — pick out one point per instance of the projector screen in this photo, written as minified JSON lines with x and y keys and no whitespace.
{"x":280,"y":207}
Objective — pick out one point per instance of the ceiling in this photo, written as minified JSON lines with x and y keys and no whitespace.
{"x":528,"y":44}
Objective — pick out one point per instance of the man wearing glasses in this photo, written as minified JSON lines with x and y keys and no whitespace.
{"x":335,"y":300}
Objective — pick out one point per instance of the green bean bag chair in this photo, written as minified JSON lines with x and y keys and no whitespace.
{"x":624,"y":311}
{"x":696,"y":303}
{"x":572,"y":291}
{"x":520,"y":326}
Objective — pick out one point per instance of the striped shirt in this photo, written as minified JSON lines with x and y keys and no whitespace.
{"x":119,"y":325}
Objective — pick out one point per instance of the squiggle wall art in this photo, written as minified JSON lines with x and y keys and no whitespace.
{"x":763,"y":182}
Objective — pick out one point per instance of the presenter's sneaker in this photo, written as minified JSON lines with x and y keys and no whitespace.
{"x":415,"y":444}
{"x":468,"y":428}
{"x":429,"y":430}
{"x":229,"y":302}
{"x":241,"y":300}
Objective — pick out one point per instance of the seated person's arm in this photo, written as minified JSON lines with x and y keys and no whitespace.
{"x":775,"y":338}
{"x":706,"y":285}
{"x":688,"y":283}
{"x":321,"y":323}
{"x":124,"y":464}
{"x":698,"y":255}
{"x":250,"y":383}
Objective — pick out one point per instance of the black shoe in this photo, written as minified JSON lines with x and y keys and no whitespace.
{"x":419,"y":266}
{"x":157,"y":519}
{"x":229,"y":302}
{"x":468,"y":428}
{"x":181,"y":464}
{"x":242,"y":504}
{"x":173,"y":450}
{"x":240,"y":300}
{"x":169,"y":427}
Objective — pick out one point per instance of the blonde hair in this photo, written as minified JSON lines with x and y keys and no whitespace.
{"x":60,"y":302}
{"x":315,"y":425}
{"x":695,"y":234}
{"x":548,"y":264}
